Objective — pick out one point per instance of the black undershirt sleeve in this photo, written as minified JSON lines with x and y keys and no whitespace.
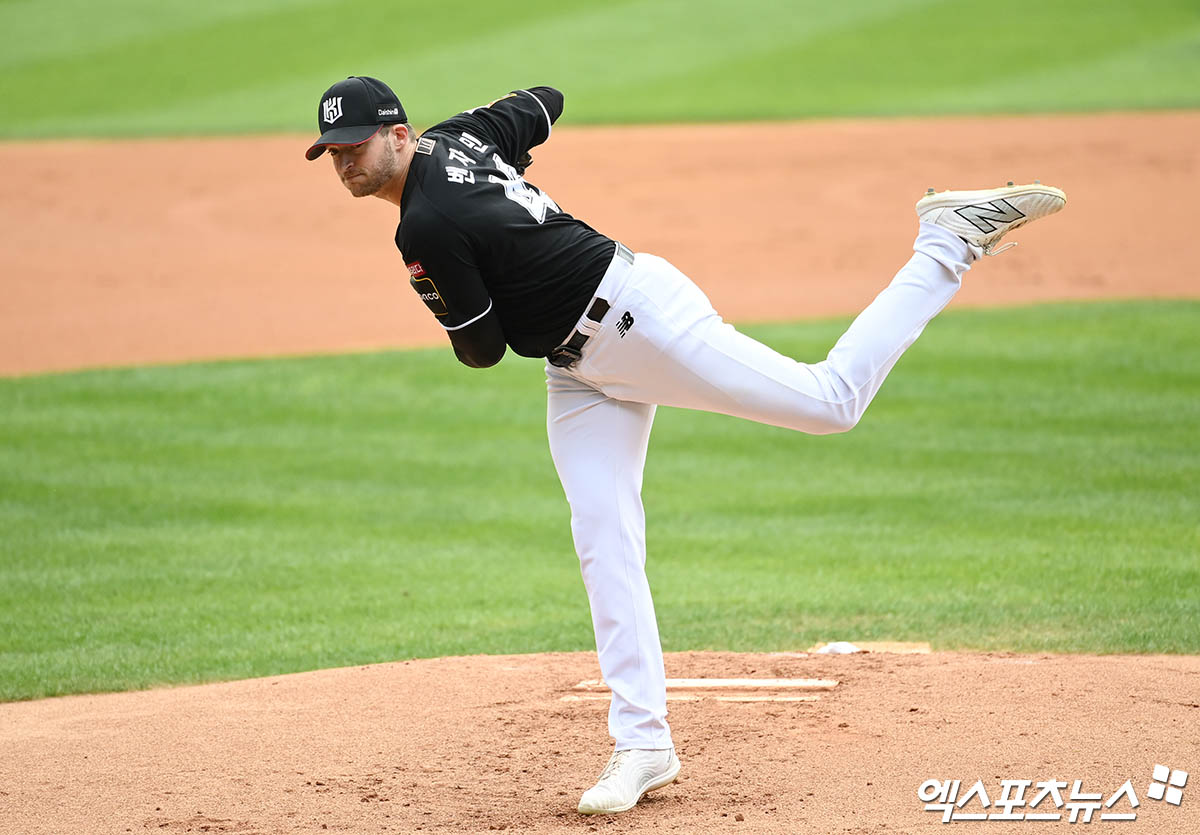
{"x":479,"y":344}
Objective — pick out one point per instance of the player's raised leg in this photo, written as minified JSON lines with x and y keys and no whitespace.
{"x":678,"y":351}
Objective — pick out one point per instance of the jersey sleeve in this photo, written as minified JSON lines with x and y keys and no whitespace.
{"x":442,"y":271}
{"x":517,"y":122}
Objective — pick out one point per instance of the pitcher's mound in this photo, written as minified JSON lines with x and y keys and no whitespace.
{"x":486,"y":743}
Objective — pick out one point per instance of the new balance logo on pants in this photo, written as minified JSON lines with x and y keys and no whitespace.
{"x":624,"y":324}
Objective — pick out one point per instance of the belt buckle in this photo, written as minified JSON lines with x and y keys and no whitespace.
{"x":564,"y":356}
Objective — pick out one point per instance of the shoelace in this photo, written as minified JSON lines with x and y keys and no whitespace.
{"x":614,"y":765}
{"x":992,"y":249}
{"x":996,"y":250}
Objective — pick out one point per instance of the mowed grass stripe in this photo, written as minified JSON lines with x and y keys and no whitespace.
{"x":1064,"y":56}
{"x":1027,"y":479}
{"x":135,"y":68}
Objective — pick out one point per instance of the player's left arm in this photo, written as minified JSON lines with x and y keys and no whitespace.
{"x":444,"y":275}
{"x":479,"y":344}
{"x":456,"y":295}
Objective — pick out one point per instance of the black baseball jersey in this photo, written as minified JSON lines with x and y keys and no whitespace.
{"x":478,"y":238}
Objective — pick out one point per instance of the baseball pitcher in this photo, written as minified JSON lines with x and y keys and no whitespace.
{"x":500,"y":265}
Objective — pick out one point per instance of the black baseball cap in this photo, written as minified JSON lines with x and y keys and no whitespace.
{"x":351,"y":112}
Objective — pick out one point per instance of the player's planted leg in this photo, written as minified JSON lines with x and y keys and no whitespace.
{"x":599,"y":449}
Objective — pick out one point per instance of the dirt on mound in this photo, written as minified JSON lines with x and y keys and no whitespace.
{"x":131,"y":252}
{"x":504,"y":743}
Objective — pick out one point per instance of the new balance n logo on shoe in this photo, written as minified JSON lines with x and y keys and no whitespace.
{"x":624,"y":324}
{"x":985,"y":216}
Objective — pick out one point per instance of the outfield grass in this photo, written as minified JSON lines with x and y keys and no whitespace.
{"x":1028,"y":479}
{"x":136,"y":67}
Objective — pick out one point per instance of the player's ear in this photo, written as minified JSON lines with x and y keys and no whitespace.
{"x":389,"y":131}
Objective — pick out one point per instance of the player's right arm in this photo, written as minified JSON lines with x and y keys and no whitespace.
{"x":515,"y":123}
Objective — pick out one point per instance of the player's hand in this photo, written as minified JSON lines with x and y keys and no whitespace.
{"x":524,"y":162}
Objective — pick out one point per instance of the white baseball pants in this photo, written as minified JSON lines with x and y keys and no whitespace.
{"x":678,"y":352}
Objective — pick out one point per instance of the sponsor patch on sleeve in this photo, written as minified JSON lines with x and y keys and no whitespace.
{"x":429,"y":294}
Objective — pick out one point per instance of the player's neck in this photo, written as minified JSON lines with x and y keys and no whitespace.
{"x":393,"y":190}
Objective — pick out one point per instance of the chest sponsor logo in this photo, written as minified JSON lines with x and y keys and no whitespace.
{"x":425,"y":145}
{"x":331,"y":109}
{"x":429,"y":294}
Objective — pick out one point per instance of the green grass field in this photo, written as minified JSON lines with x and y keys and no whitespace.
{"x":1027,"y":479}
{"x":135,"y":67}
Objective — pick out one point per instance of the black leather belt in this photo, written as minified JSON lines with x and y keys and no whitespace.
{"x":571,"y":351}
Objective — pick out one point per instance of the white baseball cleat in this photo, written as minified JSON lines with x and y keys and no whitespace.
{"x":982,"y":218}
{"x":629,"y":775}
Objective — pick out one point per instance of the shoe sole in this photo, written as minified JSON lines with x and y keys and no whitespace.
{"x":665,"y":780}
{"x":947,"y":199}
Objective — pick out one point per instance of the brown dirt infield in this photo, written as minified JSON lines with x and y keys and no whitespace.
{"x":129,"y":252}
{"x":132,"y":252}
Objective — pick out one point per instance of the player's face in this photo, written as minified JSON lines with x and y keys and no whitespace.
{"x":366,"y":168}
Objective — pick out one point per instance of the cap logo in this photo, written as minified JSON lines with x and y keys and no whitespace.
{"x":331,"y":109}
{"x":394,"y":111}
